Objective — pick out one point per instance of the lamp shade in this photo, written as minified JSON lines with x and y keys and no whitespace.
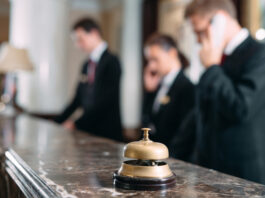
{"x":13,"y":59}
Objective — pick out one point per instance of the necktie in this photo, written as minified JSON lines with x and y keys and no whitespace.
{"x":91,"y":71}
{"x":223,"y":59}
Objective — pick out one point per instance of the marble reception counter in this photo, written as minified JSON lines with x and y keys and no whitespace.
{"x":41,"y":159}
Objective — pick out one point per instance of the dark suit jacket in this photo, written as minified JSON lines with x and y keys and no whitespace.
{"x":169,"y":120}
{"x":100,"y":100}
{"x":232,"y":104}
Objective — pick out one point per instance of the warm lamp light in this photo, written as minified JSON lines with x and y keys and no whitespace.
{"x":13,"y":59}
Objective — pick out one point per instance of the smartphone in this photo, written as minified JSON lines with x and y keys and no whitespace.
{"x":154,"y":73}
{"x":218,"y":24}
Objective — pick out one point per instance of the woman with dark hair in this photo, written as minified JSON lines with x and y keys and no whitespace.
{"x":169,"y":97}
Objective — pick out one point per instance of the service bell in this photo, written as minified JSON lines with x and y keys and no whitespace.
{"x":145,"y":170}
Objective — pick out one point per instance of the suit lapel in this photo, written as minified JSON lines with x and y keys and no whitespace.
{"x":173,"y":91}
{"x":100,"y":64}
{"x":233,"y":63}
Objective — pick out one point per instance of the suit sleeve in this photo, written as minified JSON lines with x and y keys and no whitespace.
{"x":106,"y":92}
{"x":147,"y":107}
{"x":182,"y":144}
{"x":237,"y":101}
{"x":69,"y":109}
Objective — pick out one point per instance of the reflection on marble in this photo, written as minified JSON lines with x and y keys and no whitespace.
{"x":76,"y":164}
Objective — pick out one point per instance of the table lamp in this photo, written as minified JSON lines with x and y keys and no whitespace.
{"x":13,"y":59}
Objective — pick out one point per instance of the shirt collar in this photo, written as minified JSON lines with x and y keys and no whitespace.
{"x":170,"y":77}
{"x":98,"y":51}
{"x":236,"y":41}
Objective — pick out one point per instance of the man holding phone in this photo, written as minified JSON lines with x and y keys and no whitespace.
{"x":231,"y":92}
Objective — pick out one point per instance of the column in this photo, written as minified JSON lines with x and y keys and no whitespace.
{"x":251,"y":17}
{"x":131,"y":59}
{"x":41,"y":27}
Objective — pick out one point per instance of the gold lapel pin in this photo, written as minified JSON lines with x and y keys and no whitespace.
{"x":165,"y":100}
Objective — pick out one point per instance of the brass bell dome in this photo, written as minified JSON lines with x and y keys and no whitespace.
{"x":145,"y":171}
{"x":146,"y":149}
{"x":146,"y":159}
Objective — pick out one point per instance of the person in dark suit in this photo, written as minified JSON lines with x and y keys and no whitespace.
{"x":99,"y":86}
{"x":169,"y":95}
{"x":231,"y":93}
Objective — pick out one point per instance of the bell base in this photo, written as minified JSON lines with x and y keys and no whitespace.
{"x":147,"y":184}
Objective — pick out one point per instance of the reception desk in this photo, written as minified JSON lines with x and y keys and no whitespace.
{"x":41,"y":159}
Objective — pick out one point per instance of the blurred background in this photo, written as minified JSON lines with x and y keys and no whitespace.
{"x":43,"y":27}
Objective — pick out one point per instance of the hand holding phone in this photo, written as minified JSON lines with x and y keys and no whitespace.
{"x":213,"y":41}
{"x":151,"y":79}
{"x":218,"y":24}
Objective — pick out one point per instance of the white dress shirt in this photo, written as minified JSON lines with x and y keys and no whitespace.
{"x":94,"y":59}
{"x":236,"y":41}
{"x":98,"y":51}
{"x":164,"y":88}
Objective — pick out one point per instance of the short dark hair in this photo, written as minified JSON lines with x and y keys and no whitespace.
{"x":166,"y":42}
{"x":87,"y":24}
{"x":207,"y":6}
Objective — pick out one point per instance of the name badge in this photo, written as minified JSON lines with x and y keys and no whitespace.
{"x":83,"y":78}
{"x":165,"y":100}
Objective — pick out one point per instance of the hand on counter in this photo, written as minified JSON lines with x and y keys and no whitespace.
{"x":69,"y":124}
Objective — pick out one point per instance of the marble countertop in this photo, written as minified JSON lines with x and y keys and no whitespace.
{"x":76,"y":164}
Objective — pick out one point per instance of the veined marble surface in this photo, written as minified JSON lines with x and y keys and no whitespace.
{"x":76,"y":164}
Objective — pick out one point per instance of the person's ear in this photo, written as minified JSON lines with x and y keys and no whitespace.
{"x":173,"y":52}
{"x":95,"y":33}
